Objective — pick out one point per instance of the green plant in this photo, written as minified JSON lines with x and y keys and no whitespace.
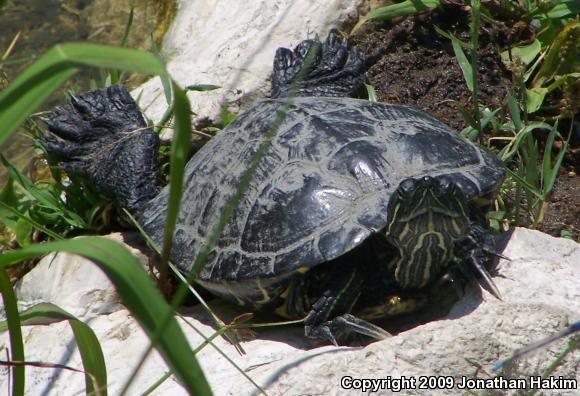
{"x":543,"y":66}
{"x":404,"y":8}
{"x":138,"y":293}
{"x":469,"y":69}
{"x":21,"y":98}
{"x":546,"y":66}
{"x":51,"y":207}
{"x":17,"y":102}
{"x":535,"y":176}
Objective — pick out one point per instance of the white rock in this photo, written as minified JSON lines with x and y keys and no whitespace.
{"x":232,"y":44}
{"x":541,"y":296}
{"x":73,"y":283}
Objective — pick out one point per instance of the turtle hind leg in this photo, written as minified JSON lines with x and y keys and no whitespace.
{"x":332,"y":68}
{"x":102,"y":137}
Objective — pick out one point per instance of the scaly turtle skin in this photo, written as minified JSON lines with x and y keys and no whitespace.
{"x":354,"y":204}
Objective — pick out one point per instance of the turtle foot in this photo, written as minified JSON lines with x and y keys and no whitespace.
{"x":102,"y":137}
{"x":473,"y":250}
{"x":331,"y":68}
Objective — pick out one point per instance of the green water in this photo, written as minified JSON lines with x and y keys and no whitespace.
{"x":43,"y":23}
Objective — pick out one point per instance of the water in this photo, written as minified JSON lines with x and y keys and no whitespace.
{"x":44,"y":23}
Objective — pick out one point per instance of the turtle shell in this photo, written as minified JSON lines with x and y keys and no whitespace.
{"x":321,"y":188}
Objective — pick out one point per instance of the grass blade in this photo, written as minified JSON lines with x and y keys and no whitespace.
{"x":43,"y":198}
{"x":179,"y":154}
{"x":138,"y":293}
{"x":514,"y":110}
{"x":371,"y":93}
{"x":553,"y":175}
{"x":13,"y":324}
{"x":89,"y":348}
{"x":202,"y":87}
{"x":463,"y":64}
{"x":405,"y":8}
{"x":29,"y":90}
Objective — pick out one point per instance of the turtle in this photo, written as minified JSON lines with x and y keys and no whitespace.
{"x":354,"y":210}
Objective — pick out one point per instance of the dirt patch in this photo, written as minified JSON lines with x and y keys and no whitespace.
{"x":418,"y":68}
{"x":563,"y":213}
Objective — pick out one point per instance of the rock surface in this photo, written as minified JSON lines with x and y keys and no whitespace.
{"x":232,"y":44}
{"x":540,"y":292}
{"x":73,"y":283}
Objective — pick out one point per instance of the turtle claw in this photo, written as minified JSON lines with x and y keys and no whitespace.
{"x":321,"y":332}
{"x":472,"y":250}
{"x":343,"y":326}
{"x":350,"y":323}
{"x":486,"y":278}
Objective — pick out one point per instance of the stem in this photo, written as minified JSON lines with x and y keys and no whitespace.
{"x":475,"y":12}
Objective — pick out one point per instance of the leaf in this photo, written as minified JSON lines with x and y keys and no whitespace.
{"x":227,"y":116}
{"x":202,"y":87}
{"x":462,"y":60}
{"x":526,"y":53}
{"x":562,"y":8}
{"x":407,"y":7}
{"x":451,"y":37}
{"x":535,"y":98}
{"x":128,"y":27}
{"x":514,"y":110}
{"x":14,"y":325}
{"x":466,"y":115}
{"x":52,"y":204}
{"x":508,"y":151}
{"x":562,"y":55}
{"x":8,"y":198}
{"x":23,"y":231}
{"x":567,"y":234}
{"x":371,"y":93}
{"x":137,"y":292}
{"x":525,"y":184}
{"x":89,"y":348}
{"x":166,"y":82}
{"x":496,"y":214}
{"x":551,"y":177}
{"x":179,"y":152}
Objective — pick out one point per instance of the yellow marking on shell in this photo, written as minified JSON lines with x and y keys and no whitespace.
{"x":302,"y":270}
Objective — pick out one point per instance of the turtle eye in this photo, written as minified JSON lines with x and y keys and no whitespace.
{"x":445,"y":184}
{"x":408,"y":186}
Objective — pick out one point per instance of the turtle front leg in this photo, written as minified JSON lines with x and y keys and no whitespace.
{"x":330,"y":319}
{"x":473,"y":250}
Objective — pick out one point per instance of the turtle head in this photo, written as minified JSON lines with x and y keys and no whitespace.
{"x":426,"y":216}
